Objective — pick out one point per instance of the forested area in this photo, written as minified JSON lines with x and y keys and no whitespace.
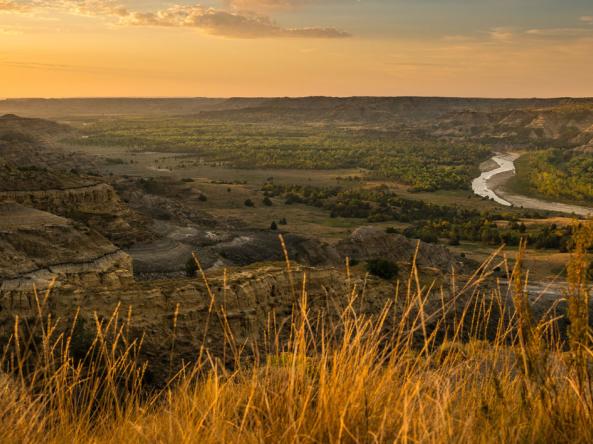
{"x":556,"y":173}
{"x":425,"y":164}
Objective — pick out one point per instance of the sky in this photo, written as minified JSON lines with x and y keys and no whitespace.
{"x":228,"y":48}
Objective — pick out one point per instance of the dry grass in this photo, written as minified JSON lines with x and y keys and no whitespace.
{"x":354,"y":380}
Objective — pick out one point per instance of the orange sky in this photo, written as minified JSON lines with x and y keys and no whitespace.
{"x":68,"y":48}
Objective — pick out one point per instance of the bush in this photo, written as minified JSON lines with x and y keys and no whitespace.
{"x":203,"y":198}
{"x":273,"y":226}
{"x":191,"y":268}
{"x":249,"y":203}
{"x":383,"y":268}
{"x":267,"y":202}
{"x":454,"y":241}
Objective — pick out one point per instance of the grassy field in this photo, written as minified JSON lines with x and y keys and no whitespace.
{"x":482,"y":365}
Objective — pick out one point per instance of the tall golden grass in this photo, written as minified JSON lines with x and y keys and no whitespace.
{"x":425,"y":375}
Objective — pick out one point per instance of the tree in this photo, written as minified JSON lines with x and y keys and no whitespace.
{"x":273,"y":226}
{"x":249,"y":203}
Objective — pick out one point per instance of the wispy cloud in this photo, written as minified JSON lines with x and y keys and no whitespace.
{"x":221,"y":22}
{"x":560,"y":33}
{"x":587,"y":19}
{"x":501,"y":34}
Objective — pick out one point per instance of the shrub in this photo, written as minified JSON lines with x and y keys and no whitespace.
{"x":191,"y":268}
{"x":383,"y":268}
{"x":249,"y":203}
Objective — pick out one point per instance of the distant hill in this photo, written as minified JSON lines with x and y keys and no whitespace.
{"x":342,"y":108}
{"x":71,"y":108}
{"x":375,"y":109}
{"x":16,"y":128}
{"x":562,"y":122}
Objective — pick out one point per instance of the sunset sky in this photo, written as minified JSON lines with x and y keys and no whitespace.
{"x":221,"y":48}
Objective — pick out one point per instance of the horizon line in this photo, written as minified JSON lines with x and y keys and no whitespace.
{"x":189,"y":97}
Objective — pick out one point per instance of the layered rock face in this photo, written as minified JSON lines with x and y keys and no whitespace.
{"x":175,"y":318}
{"x":90,"y":197}
{"x":40,"y":248}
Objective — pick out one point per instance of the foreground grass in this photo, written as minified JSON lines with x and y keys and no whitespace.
{"x":423,"y":376}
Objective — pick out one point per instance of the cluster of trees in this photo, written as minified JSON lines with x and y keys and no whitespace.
{"x":489,"y":232}
{"x":430,"y":222}
{"x":376,"y":204}
{"x":303,"y":194}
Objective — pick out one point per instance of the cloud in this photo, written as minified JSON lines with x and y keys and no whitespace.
{"x":265,"y":5}
{"x":12,"y":6}
{"x":96,"y":7}
{"x":225,"y":23}
{"x":587,"y":19}
{"x":220,"y":22}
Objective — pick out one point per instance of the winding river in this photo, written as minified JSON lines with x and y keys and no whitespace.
{"x":480,"y":185}
{"x":490,"y":182}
